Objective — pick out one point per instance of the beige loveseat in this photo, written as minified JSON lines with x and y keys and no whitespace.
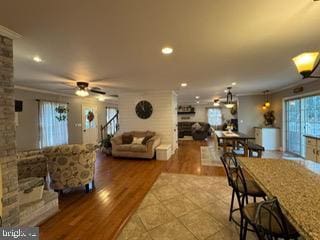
{"x":146,"y":150}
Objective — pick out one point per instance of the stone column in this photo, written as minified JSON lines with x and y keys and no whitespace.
{"x":8,"y":162}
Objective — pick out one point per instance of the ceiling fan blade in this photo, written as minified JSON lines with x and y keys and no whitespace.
{"x":113,"y":95}
{"x":99,"y":91}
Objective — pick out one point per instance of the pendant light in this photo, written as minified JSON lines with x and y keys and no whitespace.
{"x":267,"y":103}
{"x":306,"y":63}
{"x":229,"y":103}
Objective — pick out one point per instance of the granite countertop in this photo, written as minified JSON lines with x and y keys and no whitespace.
{"x":296,"y":187}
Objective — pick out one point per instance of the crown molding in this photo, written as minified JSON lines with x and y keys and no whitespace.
{"x":249,"y":94}
{"x":299,"y":83}
{"x":92,"y":98}
{"x":41,"y":91}
{"x":6,"y":32}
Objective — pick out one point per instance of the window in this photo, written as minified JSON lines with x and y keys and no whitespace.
{"x":53,"y":130}
{"x":215,"y":116}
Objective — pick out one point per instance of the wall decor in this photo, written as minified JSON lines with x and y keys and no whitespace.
{"x":298,"y":89}
{"x":186,"y":109}
{"x":62,"y":111}
{"x":144,"y":109}
{"x":90,"y":116}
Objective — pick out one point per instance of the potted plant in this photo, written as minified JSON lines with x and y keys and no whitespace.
{"x":105,"y":144}
{"x":269,"y":118}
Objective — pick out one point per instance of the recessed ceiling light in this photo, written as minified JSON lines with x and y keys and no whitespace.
{"x":184,"y":84}
{"x":37,"y":59}
{"x":167,"y":50}
{"x":234,"y":83}
{"x":197,"y":97}
{"x":198,"y":102}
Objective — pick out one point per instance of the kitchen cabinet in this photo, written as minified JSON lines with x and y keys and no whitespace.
{"x":312,"y":148}
{"x":269,"y":138}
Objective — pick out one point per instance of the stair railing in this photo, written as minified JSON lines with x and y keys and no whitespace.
{"x":111,"y":127}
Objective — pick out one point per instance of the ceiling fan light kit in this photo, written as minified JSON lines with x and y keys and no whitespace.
{"x":82,"y":93}
{"x":306,"y":63}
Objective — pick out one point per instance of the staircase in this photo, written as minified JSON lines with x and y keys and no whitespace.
{"x":110,"y":128}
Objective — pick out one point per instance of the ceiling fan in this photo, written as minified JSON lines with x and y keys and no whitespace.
{"x":83,"y":88}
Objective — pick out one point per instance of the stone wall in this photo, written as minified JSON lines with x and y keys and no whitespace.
{"x":10,"y":206}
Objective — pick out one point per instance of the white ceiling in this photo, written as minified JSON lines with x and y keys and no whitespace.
{"x":216,"y":42}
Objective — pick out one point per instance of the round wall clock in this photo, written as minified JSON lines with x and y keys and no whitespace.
{"x":144,"y":109}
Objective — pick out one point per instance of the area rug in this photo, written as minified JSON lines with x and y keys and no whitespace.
{"x":180,"y":206}
{"x":210,"y":156}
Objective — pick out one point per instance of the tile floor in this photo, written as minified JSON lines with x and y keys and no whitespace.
{"x":181,"y":206}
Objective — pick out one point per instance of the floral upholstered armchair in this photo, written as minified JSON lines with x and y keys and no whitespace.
{"x":71,"y":165}
{"x":31,"y":163}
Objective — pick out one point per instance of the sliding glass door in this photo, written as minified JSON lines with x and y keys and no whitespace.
{"x":302,"y":118}
{"x":293,"y":126}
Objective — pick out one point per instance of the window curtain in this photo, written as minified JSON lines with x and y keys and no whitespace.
{"x":111,"y":112}
{"x":52,"y":131}
{"x":215,"y":117}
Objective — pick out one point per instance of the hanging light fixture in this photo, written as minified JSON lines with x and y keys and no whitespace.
{"x":306,"y":63}
{"x":264,"y":107}
{"x":82,"y":91}
{"x":267,"y":103}
{"x":229,"y":103}
{"x":216,"y":102}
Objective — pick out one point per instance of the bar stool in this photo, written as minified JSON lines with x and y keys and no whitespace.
{"x":247,"y":187}
{"x":268,"y":221}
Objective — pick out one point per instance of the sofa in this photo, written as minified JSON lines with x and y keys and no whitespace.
{"x":145,"y":150}
{"x":188,"y":129}
{"x":71,"y":165}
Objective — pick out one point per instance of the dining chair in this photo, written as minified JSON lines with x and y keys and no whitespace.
{"x":268,"y":221}
{"x":242,"y":186}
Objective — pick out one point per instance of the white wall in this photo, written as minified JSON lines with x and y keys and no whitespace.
{"x":161,"y":120}
{"x":250,"y":113}
{"x":201,"y":114}
{"x":27,"y":131}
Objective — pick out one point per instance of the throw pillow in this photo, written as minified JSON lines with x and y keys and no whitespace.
{"x":127,"y":139}
{"x":146,"y":138}
{"x":137,"y":140}
{"x":196,"y":126}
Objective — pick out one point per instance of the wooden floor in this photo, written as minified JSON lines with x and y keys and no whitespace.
{"x":121,"y":185}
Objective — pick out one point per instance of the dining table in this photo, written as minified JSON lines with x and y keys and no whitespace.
{"x":231,"y":136}
{"x":296,"y":185}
